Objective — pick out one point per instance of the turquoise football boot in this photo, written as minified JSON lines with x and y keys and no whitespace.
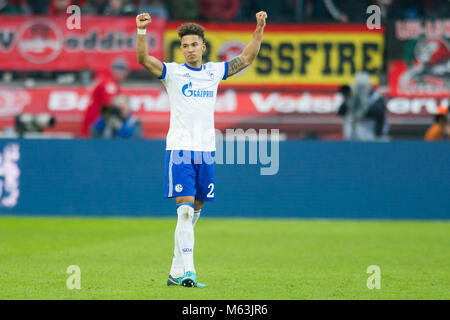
{"x":189,"y":279}
{"x":174,"y":281}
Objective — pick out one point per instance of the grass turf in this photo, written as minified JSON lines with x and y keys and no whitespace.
{"x":123,"y":258}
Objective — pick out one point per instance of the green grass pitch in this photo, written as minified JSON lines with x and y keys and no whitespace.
{"x":129,"y":258}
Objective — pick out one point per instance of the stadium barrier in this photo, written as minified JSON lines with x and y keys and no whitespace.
{"x":396,"y":180}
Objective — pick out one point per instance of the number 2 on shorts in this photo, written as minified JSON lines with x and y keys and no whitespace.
{"x":211,"y":192}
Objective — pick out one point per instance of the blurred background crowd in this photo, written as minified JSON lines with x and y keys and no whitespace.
{"x":341,"y":11}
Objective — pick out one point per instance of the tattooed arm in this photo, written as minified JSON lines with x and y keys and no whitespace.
{"x":251,"y":50}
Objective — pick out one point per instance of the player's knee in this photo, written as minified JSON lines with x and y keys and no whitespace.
{"x":185,"y":213}
{"x":184,"y":199}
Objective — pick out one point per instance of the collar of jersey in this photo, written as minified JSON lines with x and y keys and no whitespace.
{"x":193,"y":69}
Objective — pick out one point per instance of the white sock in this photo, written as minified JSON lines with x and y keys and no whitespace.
{"x":177,"y":269}
{"x":184,"y":235}
{"x":196,"y":216}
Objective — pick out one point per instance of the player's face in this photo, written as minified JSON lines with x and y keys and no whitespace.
{"x":192,"y":48}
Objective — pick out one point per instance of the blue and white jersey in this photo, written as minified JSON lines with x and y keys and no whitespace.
{"x":192,"y":96}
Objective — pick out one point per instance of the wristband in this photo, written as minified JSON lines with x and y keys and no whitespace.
{"x":141,"y":31}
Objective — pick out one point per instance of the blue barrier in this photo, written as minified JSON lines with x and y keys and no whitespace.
{"x":397,"y":180}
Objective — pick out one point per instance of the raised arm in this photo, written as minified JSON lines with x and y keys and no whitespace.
{"x":153,"y":65}
{"x":251,"y":50}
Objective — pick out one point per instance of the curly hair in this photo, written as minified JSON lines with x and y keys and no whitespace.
{"x":191,"y":28}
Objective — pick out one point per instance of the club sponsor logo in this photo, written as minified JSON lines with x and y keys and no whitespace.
{"x":187,"y":91}
{"x":40,"y":41}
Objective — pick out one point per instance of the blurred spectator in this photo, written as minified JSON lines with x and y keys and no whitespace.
{"x":300,"y":10}
{"x":50,"y":7}
{"x":219,"y":9}
{"x":437,"y":9}
{"x":119,"y":8}
{"x":408,"y":9}
{"x":439,"y":129}
{"x":106,"y":86}
{"x":116,"y":121}
{"x":94,"y":7}
{"x":417,"y":9}
{"x":184,"y":9}
{"x":12,"y":6}
{"x":58,"y":7}
{"x":156,"y":8}
{"x":385,"y":8}
{"x":348,"y":10}
{"x":274,"y":9}
{"x":346,"y":93}
{"x":39,"y":6}
{"x":364,"y":111}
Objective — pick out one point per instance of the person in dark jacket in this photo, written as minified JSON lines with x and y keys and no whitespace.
{"x":117,"y":121}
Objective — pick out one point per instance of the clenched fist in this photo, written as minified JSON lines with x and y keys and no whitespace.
{"x":261,"y":19}
{"x":143,"y":20}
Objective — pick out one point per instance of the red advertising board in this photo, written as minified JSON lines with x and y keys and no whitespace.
{"x":44,"y":43}
{"x":288,"y":111}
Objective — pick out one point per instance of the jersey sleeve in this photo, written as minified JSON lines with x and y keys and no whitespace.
{"x":219,"y":68}
{"x":168,"y":69}
{"x":225,"y":70}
